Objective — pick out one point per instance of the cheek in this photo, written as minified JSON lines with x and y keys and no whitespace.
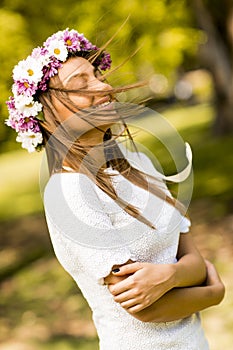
{"x":81,"y":101}
{"x":64,"y":113}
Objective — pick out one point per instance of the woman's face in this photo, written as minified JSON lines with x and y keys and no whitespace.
{"x":78,"y":73}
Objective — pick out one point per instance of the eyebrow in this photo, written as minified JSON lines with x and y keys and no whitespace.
{"x":78,"y":75}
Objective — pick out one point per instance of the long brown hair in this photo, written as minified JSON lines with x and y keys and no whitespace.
{"x":62,"y":143}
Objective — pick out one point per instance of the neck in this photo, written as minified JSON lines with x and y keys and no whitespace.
{"x":95,"y":151}
{"x":98,"y":151}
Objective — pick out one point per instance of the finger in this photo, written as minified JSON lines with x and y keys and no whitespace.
{"x":127,"y":269}
{"x":120,"y":298}
{"x":135,"y":308}
{"x":113,"y":279}
{"x":118,"y":288}
{"x":129,"y":304}
{"x":122,"y":286}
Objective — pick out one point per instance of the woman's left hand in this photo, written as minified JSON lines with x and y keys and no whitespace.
{"x":145,"y":284}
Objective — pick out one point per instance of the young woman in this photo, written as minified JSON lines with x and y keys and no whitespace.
{"x":113,"y":223}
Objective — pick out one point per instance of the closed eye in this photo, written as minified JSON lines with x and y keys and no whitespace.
{"x":77,"y":81}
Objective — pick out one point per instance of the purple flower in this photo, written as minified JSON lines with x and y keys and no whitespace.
{"x":24,"y":88}
{"x":71,"y":39}
{"x":85,"y":44}
{"x":28,"y":123}
{"x":104,"y":61}
{"x":49,"y":71}
{"x":14,"y":114}
{"x":11,"y":103}
{"x":12,"y":122}
{"x":52,"y":67}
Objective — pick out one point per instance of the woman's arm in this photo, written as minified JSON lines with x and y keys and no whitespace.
{"x":190,"y":268}
{"x":147,"y":282}
{"x":182,"y":302}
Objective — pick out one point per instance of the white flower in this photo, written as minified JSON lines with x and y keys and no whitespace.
{"x":22,"y":100}
{"x":27,"y":106}
{"x":29,"y":69}
{"x":29,"y":140}
{"x":57,"y":48}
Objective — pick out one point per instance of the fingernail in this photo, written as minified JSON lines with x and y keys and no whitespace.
{"x":115,"y":270}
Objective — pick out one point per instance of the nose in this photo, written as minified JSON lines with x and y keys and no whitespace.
{"x":99,"y":85}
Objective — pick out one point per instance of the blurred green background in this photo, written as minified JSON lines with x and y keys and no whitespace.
{"x":186,"y":54}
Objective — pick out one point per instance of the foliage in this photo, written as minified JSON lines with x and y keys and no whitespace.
{"x":14,"y":44}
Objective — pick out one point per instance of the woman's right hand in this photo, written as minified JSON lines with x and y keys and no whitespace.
{"x":113,"y":279}
{"x":181,"y":302}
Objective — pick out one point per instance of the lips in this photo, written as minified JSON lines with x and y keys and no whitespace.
{"x":103,"y":102}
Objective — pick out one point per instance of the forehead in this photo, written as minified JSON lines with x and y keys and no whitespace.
{"x":74,"y":65}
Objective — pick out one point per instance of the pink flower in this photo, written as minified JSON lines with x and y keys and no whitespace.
{"x":14,"y":114}
{"x":12,"y":122}
{"x":85,"y":44}
{"x":38,"y":52}
{"x":71,"y":39}
{"x":10,"y":103}
{"x":28,"y":123}
{"x":49,"y":71}
{"x":103,"y":61}
{"x":24,"y":88}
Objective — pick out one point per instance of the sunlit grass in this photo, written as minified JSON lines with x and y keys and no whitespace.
{"x":52,"y":316}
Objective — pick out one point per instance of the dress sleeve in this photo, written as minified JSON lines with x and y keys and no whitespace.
{"x":185,"y":225}
{"x":82,"y":234}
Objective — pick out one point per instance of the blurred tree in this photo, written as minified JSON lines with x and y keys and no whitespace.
{"x":215,"y":17}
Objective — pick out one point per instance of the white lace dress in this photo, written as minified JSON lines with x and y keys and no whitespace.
{"x":90,"y":234}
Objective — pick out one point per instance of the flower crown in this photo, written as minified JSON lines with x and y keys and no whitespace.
{"x":32,"y":76}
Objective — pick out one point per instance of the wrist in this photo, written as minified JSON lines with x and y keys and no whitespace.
{"x":174,"y":279}
{"x":177,"y":275}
